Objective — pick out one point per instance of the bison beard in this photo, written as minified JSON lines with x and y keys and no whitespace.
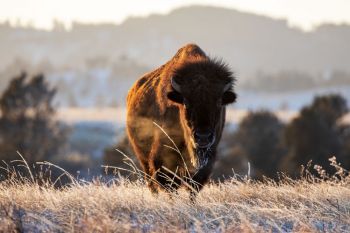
{"x":186,"y":97}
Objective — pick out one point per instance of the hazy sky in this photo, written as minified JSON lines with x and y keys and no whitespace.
{"x":41,"y":13}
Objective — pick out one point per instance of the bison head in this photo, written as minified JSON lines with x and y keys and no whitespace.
{"x":202,"y":89}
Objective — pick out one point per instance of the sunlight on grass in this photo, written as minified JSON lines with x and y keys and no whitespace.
{"x":239,"y":204}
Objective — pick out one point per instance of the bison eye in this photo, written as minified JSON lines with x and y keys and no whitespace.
{"x":175,"y":97}
{"x":228,"y":97}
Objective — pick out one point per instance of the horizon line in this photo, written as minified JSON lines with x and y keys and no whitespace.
{"x":59,"y":24}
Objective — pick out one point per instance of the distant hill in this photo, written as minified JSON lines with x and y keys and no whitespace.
{"x":249,"y":42}
{"x":95,"y":65}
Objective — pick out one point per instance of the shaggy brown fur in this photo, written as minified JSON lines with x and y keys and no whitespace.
{"x":193,"y":117}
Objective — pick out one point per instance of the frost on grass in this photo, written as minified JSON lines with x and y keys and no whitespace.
{"x":236,"y":205}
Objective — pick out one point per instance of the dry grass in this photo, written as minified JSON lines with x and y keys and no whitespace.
{"x":237,"y":205}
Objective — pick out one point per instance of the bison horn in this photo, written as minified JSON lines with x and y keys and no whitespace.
{"x":175,"y":85}
{"x":227,"y":87}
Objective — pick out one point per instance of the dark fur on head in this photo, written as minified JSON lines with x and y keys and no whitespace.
{"x":215,"y":70}
{"x":200,"y":89}
{"x":207,"y":76}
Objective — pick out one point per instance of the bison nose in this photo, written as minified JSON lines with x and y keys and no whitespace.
{"x":203,"y":139}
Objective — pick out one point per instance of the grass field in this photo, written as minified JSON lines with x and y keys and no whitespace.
{"x":237,"y":205}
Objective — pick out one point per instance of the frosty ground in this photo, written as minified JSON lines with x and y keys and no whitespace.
{"x":237,"y":205}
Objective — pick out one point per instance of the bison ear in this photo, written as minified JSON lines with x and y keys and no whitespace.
{"x":175,"y":97}
{"x":228,"y":97}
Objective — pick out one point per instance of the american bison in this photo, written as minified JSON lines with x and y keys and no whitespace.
{"x":183,"y":101}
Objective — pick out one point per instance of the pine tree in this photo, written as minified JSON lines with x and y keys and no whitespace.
{"x":315,"y":134}
{"x":27,"y":122}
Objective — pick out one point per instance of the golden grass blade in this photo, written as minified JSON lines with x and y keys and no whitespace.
{"x":27,"y":166}
{"x":73,"y":180}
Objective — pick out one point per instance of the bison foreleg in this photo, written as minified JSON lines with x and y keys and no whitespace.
{"x":167,"y":180}
{"x":199,"y":179}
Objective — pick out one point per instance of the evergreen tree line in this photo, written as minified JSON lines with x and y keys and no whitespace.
{"x":270,"y":146}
